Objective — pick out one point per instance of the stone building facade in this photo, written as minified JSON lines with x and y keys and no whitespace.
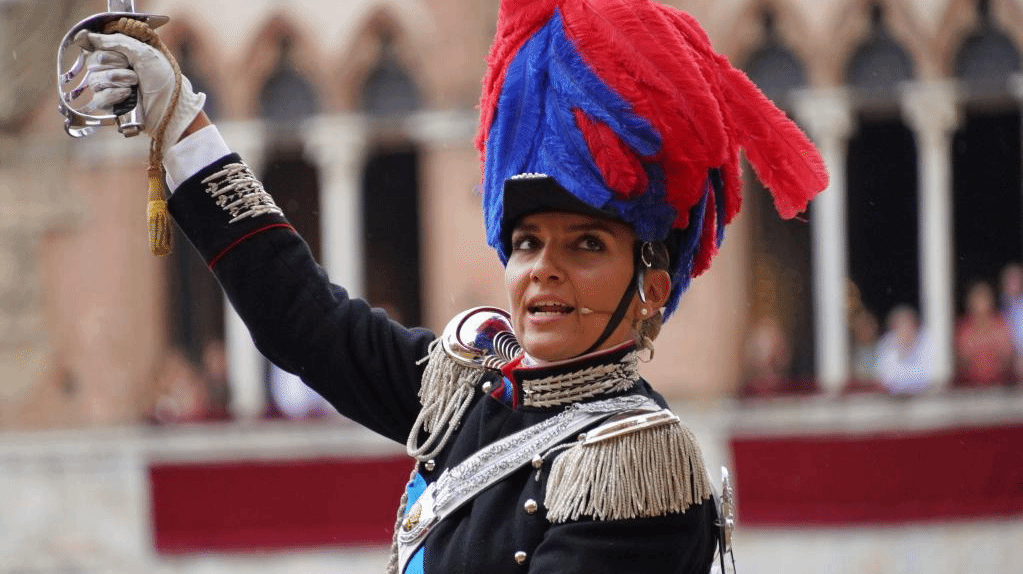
{"x":339,"y":98}
{"x":360,"y":115}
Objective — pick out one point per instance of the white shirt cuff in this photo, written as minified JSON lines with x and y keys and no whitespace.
{"x":187,"y":157}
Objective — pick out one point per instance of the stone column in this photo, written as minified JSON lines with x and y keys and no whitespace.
{"x":245,"y":364}
{"x":930,"y":108}
{"x":337,"y":146}
{"x":1016,"y":86}
{"x":826,"y":115}
{"x":1016,"y":89}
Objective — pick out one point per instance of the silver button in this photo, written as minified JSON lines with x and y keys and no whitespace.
{"x":537,"y":461}
{"x":487,"y":386}
{"x":430,"y":465}
{"x":520,"y":557}
{"x":530,"y":506}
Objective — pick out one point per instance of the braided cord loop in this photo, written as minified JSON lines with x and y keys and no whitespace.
{"x":158,"y":219}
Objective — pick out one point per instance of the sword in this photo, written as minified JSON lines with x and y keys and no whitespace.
{"x":72,"y":84}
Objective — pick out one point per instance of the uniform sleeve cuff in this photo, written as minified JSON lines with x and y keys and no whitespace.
{"x":187,"y":157}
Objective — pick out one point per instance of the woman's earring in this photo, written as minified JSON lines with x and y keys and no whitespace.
{"x":644,"y":311}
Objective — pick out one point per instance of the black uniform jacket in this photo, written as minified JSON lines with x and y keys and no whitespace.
{"x":366,"y":366}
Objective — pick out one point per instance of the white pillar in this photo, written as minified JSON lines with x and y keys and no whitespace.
{"x":1016,"y":89}
{"x":1016,"y":86}
{"x":930,"y":108}
{"x":826,"y":115}
{"x":245,"y":364}
{"x":337,"y":146}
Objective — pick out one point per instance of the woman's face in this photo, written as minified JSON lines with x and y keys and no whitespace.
{"x":561,"y":266}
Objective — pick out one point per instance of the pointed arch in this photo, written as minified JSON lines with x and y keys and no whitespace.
{"x":879,"y":62}
{"x":962,"y":18}
{"x":791,"y":29}
{"x":264,"y":54}
{"x":854,"y":26}
{"x":366,"y":49}
{"x":200,"y":60}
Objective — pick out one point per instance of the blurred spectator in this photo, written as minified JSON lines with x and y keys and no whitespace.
{"x":1012,"y":303}
{"x":904,"y":354}
{"x":983,"y":341}
{"x":181,"y":396}
{"x":768,"y":359}
{"x":291,"y":397}
{"x":864,"y":327}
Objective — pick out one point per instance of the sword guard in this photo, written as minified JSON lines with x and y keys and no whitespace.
{"x":481,"y":337}
{"x":72,"y":82}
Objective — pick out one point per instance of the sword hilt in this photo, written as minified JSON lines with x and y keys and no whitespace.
{"x":130,"y":119}
{"x":72,"y":83}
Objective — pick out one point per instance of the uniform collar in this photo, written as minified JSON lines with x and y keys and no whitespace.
{"x":593,"y":375}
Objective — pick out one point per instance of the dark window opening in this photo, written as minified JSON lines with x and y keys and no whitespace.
{"x":988,"y":208}
{"x":196,"y":324}
{"x":782,"y":277}
{"x":882,"y":221}
{"x":198,"y":316}
{"x":295,"y":186}
{"x":390,"y":223}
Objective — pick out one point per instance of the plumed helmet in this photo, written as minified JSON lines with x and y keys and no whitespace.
{"x":624,"y":105}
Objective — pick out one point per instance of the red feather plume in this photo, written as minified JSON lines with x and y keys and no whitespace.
{"x":781,"y":155}
{"x":708,"y":237}
{"x":517,"y":21}
{"x":661,"y":61}
{"x":784,"y":159}
{"x":621,"y":169}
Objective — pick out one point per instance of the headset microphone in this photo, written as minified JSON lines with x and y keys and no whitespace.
{"x":588,"y":311}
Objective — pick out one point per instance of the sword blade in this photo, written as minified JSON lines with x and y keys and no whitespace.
{"x":121,"y":6}
{"x":129,"y":112}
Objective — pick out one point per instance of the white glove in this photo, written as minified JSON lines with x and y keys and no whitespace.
{"x":117,"y":62}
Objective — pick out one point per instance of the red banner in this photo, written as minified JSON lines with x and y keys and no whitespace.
{"x":885,"y":478}
{"x":274,"y":505}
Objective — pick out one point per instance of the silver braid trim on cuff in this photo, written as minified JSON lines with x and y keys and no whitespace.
{"x":236,"y":190}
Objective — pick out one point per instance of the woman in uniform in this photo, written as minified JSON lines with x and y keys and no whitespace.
{"x":610,"y":135}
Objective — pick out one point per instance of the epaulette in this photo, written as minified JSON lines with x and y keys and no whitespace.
{"x":474,"y":342}
{"x":632,"y":466}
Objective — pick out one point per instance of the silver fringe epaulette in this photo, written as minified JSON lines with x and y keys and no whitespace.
{"x":632,"y":466}
{"x":474,"y":342}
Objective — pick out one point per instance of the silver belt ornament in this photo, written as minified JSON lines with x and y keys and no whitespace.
{"x":725,"y":524}
{"x":72,"y":83}
{"x":461,"y":483}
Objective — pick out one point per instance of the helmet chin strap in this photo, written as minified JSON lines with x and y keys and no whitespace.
{"x":640,"y":264}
